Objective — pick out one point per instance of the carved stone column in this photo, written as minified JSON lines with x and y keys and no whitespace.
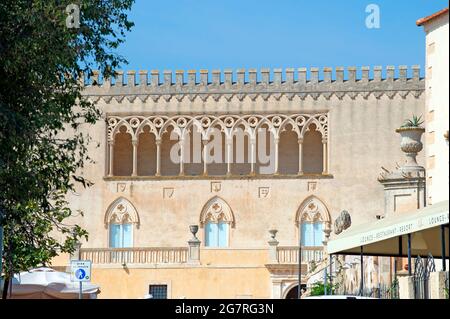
{"x":276,"y":140}
{"x":111,"y":158}
{"x":252,"y":155}
{"x":229,"y":158}
{"x":135,"y":145}
{"x":205,"y":155}
{"x":181,"y":156}
{"x":158,"y":157}
{"x":300,"y":156}
{"x":325,"y":155}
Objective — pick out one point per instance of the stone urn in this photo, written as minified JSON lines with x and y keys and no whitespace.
{"x":194,"y":230}
{"x":273,"y":233}
{"x":411,"y":145}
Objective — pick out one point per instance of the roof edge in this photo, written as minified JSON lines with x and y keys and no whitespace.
{"x":427,"y":19}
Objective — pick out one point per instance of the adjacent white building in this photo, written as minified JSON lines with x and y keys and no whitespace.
{"x":437,"y":104}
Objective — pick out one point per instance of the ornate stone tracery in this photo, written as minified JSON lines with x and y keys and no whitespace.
{"x":215,"y":210}
{"x":121,"y":211}
{"x":228,"y":123}
{"x":314,"y":210}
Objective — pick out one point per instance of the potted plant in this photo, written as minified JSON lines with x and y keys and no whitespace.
{"x":411,"y":132}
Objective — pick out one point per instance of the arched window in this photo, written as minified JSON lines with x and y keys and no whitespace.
{"x":123,"y":152}
{"x":120,"y":219}
{"x":217,"y":218}
{"x":313,"y":150}
{"x":314,"y":222}
{"x":312,"y":233}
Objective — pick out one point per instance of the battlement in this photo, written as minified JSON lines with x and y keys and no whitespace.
{"x":252,"y":81}
{"x":252,"y":76}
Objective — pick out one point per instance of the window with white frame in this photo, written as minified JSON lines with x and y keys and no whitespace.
{"x":216,"y":234}
{"x":312,"y":234}
{"x":121,"y":235}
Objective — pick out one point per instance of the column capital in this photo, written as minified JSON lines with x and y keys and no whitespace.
{"x":134,"y":141}
{"x":300,"y":140}
{"x":158,"y":141}
{"x":324,"y":140}
{"x":111,"y":142}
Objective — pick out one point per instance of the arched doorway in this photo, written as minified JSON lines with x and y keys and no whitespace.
{"x":293,"y":292}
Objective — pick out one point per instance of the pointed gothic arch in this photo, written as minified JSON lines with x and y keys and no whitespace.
{"x":121,"y":211}
{"x":312,"y":209}
{"x":217,"y":209}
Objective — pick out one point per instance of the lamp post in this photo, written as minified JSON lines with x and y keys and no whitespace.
{"x":300,"y":268}
{"x":78,"y":252}
{"x":1,"y":242}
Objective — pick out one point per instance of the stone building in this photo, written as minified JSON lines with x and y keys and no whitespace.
{"x":239,"y":154}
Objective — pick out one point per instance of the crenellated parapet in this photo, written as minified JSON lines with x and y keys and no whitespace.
{"x":266,"y":83}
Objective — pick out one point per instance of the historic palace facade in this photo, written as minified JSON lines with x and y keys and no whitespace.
{"x":238,"y":154}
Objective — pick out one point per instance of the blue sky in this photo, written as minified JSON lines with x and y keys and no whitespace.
{"x":214,"y":34}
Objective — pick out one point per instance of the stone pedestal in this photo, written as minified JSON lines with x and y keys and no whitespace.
{"x":437,"y":284}
{"x":273,"y":243}
{"x":403,"y":192}
{"x":405,"y":187}
{"x":194,"y":251}
{"x":194,"y":246}
{"x":406,"y":287}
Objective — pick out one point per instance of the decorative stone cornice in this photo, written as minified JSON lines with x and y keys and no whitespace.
{"x":246,"y":85}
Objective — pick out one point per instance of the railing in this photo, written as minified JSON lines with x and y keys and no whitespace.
{"x":170,"y":255}
{"x":289,"y":255}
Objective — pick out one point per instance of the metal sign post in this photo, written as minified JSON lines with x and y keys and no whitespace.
{"x":1,"y":242}
{"x":80,"y":271}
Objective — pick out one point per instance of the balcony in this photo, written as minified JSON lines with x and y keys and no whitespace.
{"x":148,"y":255}
{"x":289,"y":255}
{"x":286,"y":256}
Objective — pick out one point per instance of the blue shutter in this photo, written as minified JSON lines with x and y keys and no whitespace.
{"x":114,"y":236}
{"x":307,"y":234}
{"x":223,"y":234}
{"x":127,"y":235}
{"x":211,"y":235}
{"x":318,"y":233}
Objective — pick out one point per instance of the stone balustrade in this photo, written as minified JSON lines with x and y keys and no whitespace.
{"x":289,"y":255}
{"x":148,"y":255}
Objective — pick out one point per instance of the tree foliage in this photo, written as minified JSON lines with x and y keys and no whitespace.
{"x":42,"y":149}
{"x":318,"y":288}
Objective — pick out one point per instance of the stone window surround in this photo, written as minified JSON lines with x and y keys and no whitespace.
{"x":228,"y":123}
{"x":217,"y":209}
{"x":121,"y":211}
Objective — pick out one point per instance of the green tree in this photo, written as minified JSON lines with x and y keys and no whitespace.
{"x":318,"y":288}
{"x":42,"y":149}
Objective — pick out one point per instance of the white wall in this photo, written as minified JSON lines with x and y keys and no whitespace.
{"x":437,"y":106}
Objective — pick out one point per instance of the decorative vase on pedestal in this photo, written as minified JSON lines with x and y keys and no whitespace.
{"x":411,"y":145}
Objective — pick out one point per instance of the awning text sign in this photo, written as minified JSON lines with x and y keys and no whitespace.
{"x":396,"y":229}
